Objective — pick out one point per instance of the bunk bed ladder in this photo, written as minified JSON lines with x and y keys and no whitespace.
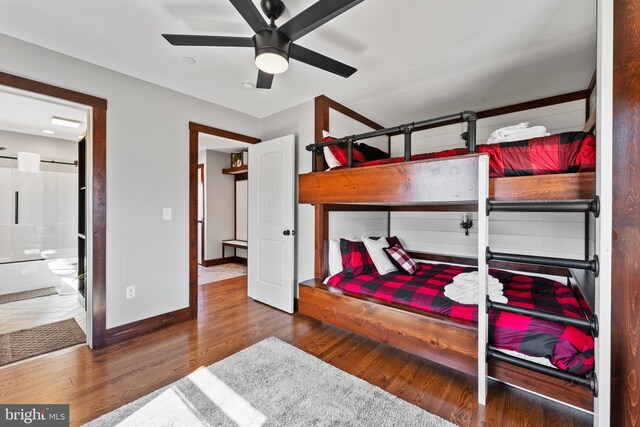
{"x":587,"y":206}
{"x":483,"y":272}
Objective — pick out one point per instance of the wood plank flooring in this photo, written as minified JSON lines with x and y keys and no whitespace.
{"x":96,"y":382}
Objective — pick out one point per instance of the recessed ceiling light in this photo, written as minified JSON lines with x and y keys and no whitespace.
{"x":248,"y":85}
{"x":188,"y":60}
{"x":65,"y":122}
{"x":49,"y":132}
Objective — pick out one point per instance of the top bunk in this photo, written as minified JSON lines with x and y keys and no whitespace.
{"x":447,"y":177}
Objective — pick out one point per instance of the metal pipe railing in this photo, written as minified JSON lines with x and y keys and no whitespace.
{"x":546,"y":206}
{"x":406,"y":129}
{"x":590,"y":381}
{"x":592,"y":265}
{"x":591,"y":324}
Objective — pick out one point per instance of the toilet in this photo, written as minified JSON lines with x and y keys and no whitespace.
{"x":63,"y":263}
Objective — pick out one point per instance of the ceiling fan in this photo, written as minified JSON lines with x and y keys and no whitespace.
{"x":274,"y":45}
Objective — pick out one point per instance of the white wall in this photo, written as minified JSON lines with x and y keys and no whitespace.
{"x":48,"y":148}
{"x":558,"y":235}
{"x":147,"y":169}
{"x":219,"y":210}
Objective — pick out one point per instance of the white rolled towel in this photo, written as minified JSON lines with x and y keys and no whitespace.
{"x":464,"y":289}
{"x":471,"y":297}
{"x":517,"y":133}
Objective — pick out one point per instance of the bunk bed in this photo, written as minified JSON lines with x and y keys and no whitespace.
{"x":458,"y":183}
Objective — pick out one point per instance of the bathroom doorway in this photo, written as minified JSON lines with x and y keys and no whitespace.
{"x":42,"y":220}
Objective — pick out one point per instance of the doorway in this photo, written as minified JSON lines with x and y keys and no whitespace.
{"x":94,"y":204}
{"x":222,"y":174}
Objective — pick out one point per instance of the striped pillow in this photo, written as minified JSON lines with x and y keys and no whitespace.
{"x":401,"y":258}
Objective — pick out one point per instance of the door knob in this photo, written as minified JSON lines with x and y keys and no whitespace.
{"x":286,"y":232}
{"x":199,"y":222}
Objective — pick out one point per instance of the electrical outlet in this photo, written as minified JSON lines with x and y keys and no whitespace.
{"x":166,"y":214}
{"x":131,"y":292}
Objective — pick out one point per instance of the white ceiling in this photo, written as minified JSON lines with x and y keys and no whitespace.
{"x":26,"y":114}
{"x":414,"y":58}
{"x":223,"y":145}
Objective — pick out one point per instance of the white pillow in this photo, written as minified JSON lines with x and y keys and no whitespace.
{"x":328,"y":155}
{"x":330,"y":158}
{"x":335,"y":257}
{"x":378,"y":256}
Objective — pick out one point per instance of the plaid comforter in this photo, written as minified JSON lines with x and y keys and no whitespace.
{"x":568,"y":348}
{"x":561,"y":153}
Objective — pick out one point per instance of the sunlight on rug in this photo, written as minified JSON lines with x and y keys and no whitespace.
{"x":270,"y":383}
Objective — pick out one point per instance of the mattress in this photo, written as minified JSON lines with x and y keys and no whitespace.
{"x":568,"y":348}
{"x":567,"y":152}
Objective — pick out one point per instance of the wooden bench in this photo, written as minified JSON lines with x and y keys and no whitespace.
{"x":235,"y":244}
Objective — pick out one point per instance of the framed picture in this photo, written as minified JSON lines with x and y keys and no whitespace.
{"x":236,"y":160}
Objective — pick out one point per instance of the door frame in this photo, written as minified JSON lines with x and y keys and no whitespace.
{"x":194,"y":130}
{"x":98,"y":207}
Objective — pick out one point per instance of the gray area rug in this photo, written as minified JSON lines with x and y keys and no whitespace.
{"x":25,"y":343}
{"x":270,"y":384}
{"x":220,"y":272}
{"x":19,"y":296}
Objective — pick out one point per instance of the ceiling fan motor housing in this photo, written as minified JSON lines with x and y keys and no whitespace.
{"x":272,"y":8}
{"x":272,"y":41}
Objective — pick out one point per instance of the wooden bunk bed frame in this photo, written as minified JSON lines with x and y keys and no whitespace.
{"x":438,"y":338}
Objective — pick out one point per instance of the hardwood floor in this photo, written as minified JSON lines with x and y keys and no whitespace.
{"x":96,"y":382}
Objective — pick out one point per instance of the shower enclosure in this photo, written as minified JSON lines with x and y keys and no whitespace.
{"x":38,"y":226}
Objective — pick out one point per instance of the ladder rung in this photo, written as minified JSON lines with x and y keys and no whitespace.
{"x":545,"y":206}
{"x":590,"y":381}
{"x":592,"y":265}
{"x":591,"y":324}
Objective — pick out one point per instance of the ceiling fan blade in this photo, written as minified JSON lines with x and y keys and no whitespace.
{"x":186,"y":40}
{"x":315,"y":59}
{"x":251,"y":14}
{"x":264,"y":80}
{"x":316,"y":15}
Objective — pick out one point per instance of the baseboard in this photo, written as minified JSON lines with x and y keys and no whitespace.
{"x":240,"y":260}
{"x":225,"y":260}
{"x":217,"y":261}
{"x":140,"y":327}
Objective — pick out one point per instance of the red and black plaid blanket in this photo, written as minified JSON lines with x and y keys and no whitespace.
{"x":567,"y":347}
{"x":561,"y":153}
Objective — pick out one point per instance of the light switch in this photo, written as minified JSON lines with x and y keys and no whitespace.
{"x":166,"y":214}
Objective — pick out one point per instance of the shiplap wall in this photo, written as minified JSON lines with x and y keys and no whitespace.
{"x":560,"y":235}
{"x":557,"y":118}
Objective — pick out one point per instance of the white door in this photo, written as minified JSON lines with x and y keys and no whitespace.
{"x":271,"y":222}
{"x":201,"y":214}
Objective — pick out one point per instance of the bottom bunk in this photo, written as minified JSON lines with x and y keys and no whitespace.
{"x":421,"y":323}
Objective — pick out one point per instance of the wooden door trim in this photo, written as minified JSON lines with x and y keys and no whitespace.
{"x":194,"y":130}
{"x":99,"y":190}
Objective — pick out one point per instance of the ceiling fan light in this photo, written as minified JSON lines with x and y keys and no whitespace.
{"x":272,"y":63}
